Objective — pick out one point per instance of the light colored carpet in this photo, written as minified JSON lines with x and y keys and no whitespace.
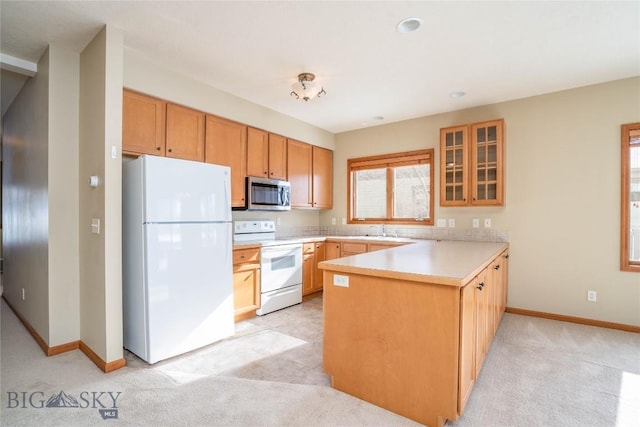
{"x":537,"y":373}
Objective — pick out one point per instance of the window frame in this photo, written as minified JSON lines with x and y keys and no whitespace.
{"x":625,"y":263}
{"x":388,"y":161}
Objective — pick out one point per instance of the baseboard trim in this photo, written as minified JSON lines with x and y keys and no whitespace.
{"x":104,"y":366}
{"x":70,"y":346}
{"x":580,"y":320}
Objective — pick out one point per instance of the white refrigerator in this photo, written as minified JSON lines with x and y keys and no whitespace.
{"x":177,"y":256}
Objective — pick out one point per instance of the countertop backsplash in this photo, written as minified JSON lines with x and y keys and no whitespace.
{"x":429,"y":233}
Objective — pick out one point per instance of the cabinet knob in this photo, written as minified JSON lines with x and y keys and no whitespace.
{"x":158,"y":148}
{"x":242,"y":256}
{"x":170,"y":150}
{"x":506,"y":256}
{"x":480,"y":285}
{"x":497,"y":267}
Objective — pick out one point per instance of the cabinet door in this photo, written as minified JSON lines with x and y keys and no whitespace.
{"x":307,"y":273}
{"x":466,"y":366}
{"x":482,"y":302}
{"x":332,"y":250}
{"x":299,"y":172}
{"x":277,"y":157}
{"x":349,"y":248}
{"x":320,"y":255}
{"x":185,"y":133}
{"x":143,"y":124}
{"x":257,"y":153}
{"x":246,"y":289}
{"x":454,"y":166}
{"x":226,"y":144}
{"x":487,"y":148}
{"x":322,"y":178}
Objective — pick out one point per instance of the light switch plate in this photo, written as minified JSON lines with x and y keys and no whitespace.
{"x":476,"y":223}
{"x":452,"y":223}
{"x":95,"y":225}
{"x":487,"y":223}
{"x":441,"y":223}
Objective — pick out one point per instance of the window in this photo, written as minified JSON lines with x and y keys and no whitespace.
{"x":391,"y":188}
{"x":630,"y":221}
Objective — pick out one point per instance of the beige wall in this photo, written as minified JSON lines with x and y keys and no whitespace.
{"x":101,"y":254}
{"x":26,"y":207}
{"x":154,"y":80}
{"x":63,"y":253}
{"x":41,"y":204}
{"x":562,"y":194}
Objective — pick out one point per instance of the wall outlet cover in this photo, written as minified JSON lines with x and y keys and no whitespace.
{"x":441,"y":223}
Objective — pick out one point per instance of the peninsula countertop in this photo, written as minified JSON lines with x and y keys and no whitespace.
{"x":451,"y":263}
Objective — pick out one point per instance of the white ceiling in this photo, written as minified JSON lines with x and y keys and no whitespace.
{"x":493,"y":51}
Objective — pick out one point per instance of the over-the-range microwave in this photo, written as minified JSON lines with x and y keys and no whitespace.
{"x":265,"y":194}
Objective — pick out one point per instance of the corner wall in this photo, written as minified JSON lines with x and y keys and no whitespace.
{"x":101,"y":254}
{"x":562,"y":184}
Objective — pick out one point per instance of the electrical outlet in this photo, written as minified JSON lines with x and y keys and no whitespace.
{"x":441,"y":223}
{"x":23,"y":295}
{"x":592,"y":296}
{"x":487,"y":223}
{"x":344,"y":221}
{"x":333,"y":221}
{"x":476,"y":223}
{"x":340,"y":280}
{"x":278,"y":222}
{"x":452,"y":223}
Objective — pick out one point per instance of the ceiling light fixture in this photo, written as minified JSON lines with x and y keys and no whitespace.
{"x":305,"y":88}
{"x":409,"y":25}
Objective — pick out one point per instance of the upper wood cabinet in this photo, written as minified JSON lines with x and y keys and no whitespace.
{"x":322,"y":178}
{"x":310,"y":172}
{"x":226,"y":144}
{"x":143,"y":124}
{"x":266,"y":154}
{"x":300,"y":173}
{"x":472,"y":164}
{"x":185,"y":133}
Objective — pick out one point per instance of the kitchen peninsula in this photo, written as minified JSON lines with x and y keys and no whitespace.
{"x":407,"y":328}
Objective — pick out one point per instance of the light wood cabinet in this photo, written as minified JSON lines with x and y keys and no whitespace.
{"x":353,"y":248}
{"x":482,"y":305}
{"x":457,"y":325}
{"x":322,"y":178}
{"x":246,"y":282}
{"x":226,"y":144}
{"x":300,"y":173}
{"x":312,"y":254}
{"x":310,"y":172}
{"x":266,"y":154}
{"x":332,"y":250}
{"x":472,"y":164}
{"x":185,"y":133}
{"x":320,"y":255}
{"x":143,"y":124}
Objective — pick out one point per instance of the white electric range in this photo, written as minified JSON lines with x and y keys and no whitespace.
{"x":280,"y":265}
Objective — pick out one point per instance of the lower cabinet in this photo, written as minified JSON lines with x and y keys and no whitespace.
{"x":246,"y":282}
{"x":482,"y":304}
{"x":312,"y":254}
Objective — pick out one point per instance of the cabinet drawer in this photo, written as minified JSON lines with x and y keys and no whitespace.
{"x":246,"y":255}
{"x":354,"y":248}
{"x":307,"y":248}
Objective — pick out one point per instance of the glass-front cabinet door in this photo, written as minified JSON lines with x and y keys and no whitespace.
{"x":472,"y":164}
{"x":454,"y":159}
{"x":487,"y":163}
